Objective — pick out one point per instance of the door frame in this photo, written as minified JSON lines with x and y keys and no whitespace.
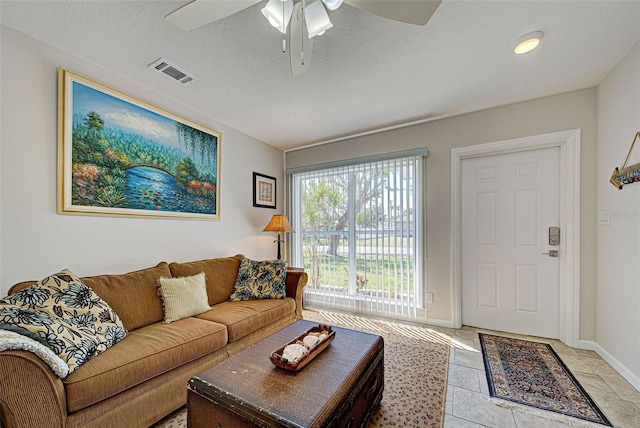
{"x":569,"y":282}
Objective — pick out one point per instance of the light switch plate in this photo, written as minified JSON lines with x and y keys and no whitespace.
{"x":604,"y":218}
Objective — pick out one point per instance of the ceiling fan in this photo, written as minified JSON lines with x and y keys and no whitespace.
{"x":308,"y":18}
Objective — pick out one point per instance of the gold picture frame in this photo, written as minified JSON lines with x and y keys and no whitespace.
{"x":120,"y":156}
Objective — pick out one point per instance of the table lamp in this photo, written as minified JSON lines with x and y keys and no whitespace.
{"x":279,"y":224}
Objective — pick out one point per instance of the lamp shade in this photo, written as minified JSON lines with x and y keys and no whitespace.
{"x":316,"y":18}
{"x":279,"y":224}
{"x":278,"y":12}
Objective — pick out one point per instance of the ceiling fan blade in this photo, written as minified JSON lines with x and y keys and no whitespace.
{"x":417,"y":12}
{"x":300,"y":45}
{"x":201,"y":12}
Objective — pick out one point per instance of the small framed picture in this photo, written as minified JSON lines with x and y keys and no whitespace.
{"x":264,"y":191}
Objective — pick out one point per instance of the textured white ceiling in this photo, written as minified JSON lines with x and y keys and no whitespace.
{"x":367,"y":73}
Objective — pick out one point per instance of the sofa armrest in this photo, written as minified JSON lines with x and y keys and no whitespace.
{"x":296,"y":280}
{"x":31,"y":394}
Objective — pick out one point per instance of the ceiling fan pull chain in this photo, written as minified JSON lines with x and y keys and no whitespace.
{"x":304,"y":22}
{"x":284,"y":42}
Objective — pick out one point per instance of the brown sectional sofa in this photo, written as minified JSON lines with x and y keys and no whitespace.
{"x":143,"y":378}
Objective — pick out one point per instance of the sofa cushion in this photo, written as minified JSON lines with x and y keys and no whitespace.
{"x":260,"y":280}
{"x":133,"y":295}
{"x":221,"y":275}
{"x":145,"y":353}
{"x":183,"y":297}
{"x":247,"y":316}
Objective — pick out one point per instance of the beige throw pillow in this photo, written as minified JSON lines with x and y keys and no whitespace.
{"x":183,"y":297}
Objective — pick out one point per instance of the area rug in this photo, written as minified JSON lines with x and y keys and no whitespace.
{"x":416,"y":362}
{"x":532,"y":374}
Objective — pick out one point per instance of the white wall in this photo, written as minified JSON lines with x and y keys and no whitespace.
{"x":618,"y":286}
{"x":574,"y":110}
{"x":36,"y":241}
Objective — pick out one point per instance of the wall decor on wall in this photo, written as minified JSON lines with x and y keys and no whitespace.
{"x":626,"y":174}
{"x":264,"y":191}
{"x":121,"y":156}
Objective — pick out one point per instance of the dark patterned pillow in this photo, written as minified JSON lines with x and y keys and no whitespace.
{"x":260,"y":280}
{"x":64,"y":314}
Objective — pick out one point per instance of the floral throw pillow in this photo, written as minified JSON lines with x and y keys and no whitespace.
{"x":65,"y":315}
{"x":260,"y":280}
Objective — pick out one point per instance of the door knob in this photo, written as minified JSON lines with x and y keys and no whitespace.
{"x":551,"y":253}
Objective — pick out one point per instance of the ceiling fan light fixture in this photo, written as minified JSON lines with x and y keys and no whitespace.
{"x":278,"y":13}
{"x":316,"y":18}
{"x":332,"y":4}
{"x":528,"y":42}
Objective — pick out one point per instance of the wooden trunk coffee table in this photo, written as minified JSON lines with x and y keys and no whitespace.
{"x":341,"y":387}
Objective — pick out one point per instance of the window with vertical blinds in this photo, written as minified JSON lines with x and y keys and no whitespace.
{"x":359,"y":235}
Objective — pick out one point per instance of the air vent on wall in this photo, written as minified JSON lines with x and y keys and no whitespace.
{"x":174,"y":72}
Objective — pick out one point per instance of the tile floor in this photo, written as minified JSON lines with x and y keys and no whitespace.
{"x":468,"y":404}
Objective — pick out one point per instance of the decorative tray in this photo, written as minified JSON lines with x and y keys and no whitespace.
{"x":313,"y":351}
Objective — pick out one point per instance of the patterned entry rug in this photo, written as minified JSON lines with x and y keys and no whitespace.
{"x":532,"y":374}
{"x":416,"y":363}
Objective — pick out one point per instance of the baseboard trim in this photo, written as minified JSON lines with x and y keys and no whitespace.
{"x":589,"y":345}
{"x":631,"y":377}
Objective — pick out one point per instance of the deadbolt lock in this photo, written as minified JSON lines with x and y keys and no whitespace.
{"x":554,"y":236}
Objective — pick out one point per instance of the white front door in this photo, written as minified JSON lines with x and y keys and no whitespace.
{"x":508,"y":203}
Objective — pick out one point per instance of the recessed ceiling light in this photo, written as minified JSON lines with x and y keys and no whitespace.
{"x":528,"y":42}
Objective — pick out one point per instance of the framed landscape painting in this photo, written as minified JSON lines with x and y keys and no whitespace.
{"x":120,"y":156}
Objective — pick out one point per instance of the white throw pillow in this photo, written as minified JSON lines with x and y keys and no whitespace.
{"x":183,"y":297}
